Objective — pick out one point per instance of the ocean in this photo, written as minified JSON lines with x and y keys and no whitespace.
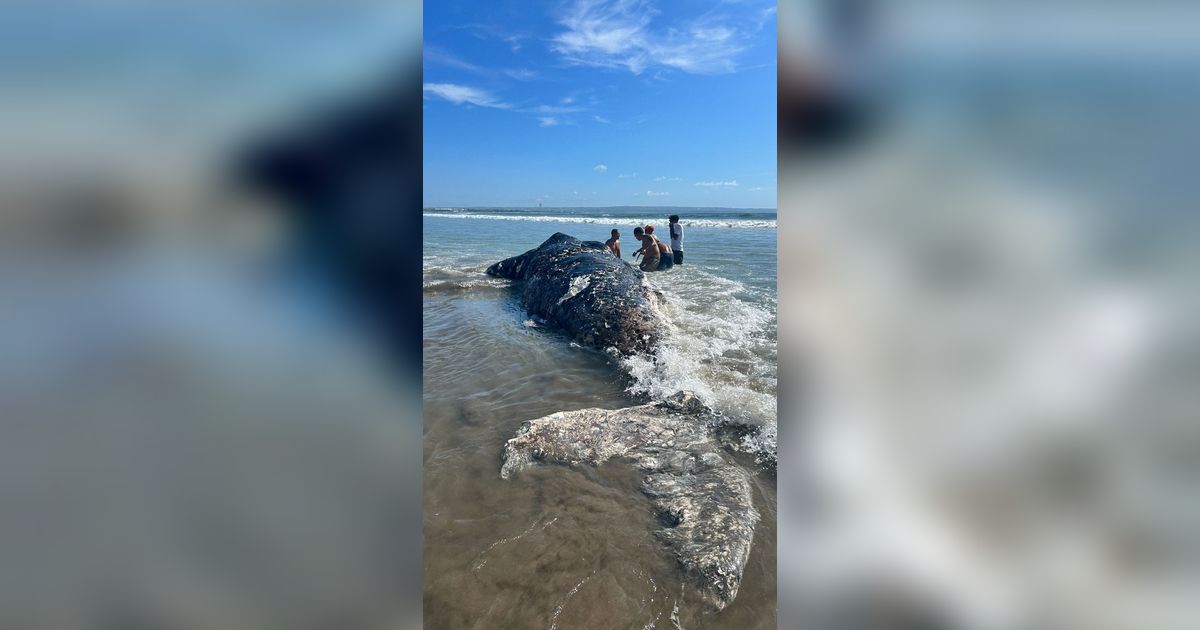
{"x":575,"y":548}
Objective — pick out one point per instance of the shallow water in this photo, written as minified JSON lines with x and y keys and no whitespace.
{"x":571,"y":548}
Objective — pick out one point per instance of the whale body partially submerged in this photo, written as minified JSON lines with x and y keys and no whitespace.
{"x":703,"y":501}
{"x":581,"y":288}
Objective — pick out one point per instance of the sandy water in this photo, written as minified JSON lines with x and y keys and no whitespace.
{"x":574,"y":548}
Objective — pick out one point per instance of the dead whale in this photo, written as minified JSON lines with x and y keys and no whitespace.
{"x":704,"y":501}
{"x":580,"y":287}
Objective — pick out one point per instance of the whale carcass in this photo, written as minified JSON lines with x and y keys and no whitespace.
{"x":704,"y":501}
{"x":580,"y":287}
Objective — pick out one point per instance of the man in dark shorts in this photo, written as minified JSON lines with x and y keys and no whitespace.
{"x":666,"y":259}
{"x":676,"y":231}
{"x":614,"y":243}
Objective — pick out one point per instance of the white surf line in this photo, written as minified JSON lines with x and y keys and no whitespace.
{"x":738,"y":223}
{"x":563,"y":603}
{"x":502,"y":541}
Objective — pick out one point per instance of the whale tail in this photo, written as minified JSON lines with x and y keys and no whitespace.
{"x":704,"y":502}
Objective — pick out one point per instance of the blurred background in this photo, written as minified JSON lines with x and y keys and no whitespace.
{"x":988,"y":314}
{"x":209,"y":355}
{"x":209,"y":376}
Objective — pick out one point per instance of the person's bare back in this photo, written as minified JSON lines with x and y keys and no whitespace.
{"x":650,"y":259}
{"x":614,"y":243}
{"x":649,"y":250}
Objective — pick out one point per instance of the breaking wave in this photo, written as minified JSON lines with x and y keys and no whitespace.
{"x":715,"y":222}
{"x":720,"y":344}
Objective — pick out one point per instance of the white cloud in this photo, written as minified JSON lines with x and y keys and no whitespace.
{"x":464,"y":94}
{"x":651,"y":193}
{"x":602,"y":120}
{"x":627,"y":175}
{"x":664,"y":178}
{"x":567,"y":100}
{"x":459,"y":94}
{"x":433,"y":54}
{"x":755,"y":188}
{"x":600,"y":168}
{"x":521,"y":74}
{"x":711,"y":184}
{"x":619,"y":34}
{"x":514,"y":41}
{"x":496,"y":32}
{"x":554,"y":109}
{"x":437,"y":55}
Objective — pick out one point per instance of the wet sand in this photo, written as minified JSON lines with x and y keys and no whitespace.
{"x":557,"y":547}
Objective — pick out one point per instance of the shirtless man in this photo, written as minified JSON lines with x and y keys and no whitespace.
{"x":666,"y":256}
{"x":614,"y":243}
{"x":649,"y":250}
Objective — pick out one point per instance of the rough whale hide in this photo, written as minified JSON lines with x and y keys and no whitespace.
{"x":580,"y":287}
{"x":704,"y":501}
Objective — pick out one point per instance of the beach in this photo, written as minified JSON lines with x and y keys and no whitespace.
{"x":575,"y":547}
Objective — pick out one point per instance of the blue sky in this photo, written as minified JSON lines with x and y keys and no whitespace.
{"x":600,"y":103}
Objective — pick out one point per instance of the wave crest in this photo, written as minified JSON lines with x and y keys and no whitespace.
{"x":743,"y":223}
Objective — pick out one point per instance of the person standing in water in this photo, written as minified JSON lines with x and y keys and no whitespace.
{"x":614,"y":243}
{"x":676,"y":230}
{"x":665,"y":257}
{"x":649,"y":250}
